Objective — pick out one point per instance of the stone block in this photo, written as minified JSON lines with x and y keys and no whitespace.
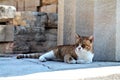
{"x":48,"y":2}
{"x":37,"y":2}
{"x":50,"y":44}
{"x":6,"y":33}
{"x":60,"y":22}
{"x":107,"y":30}
{"x":66,"y":21}
{"x":49,"y":8}
{"x":7,"y":12}
{"x":84,"y":17}
{"x":38,"y":46}
{"x":31,"y":5}
{"x":52,"y":20}
{"x":6,"y":47}
{"x":21,"y":47}
{"x":8,"y":2}
{"x":18,"y":20}
{"x":32,"y":8}
{"x":51,"y":37}
{"x":51,"y":31}
{"x":21,"y":5}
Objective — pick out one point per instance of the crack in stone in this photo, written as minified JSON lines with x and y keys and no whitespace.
{"x":47,"y":66}
{"x":39,"y":63}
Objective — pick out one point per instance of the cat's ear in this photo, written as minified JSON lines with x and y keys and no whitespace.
{"x":77,"y":36}
{"x":91,"y":38}
{"x":77,"y":39}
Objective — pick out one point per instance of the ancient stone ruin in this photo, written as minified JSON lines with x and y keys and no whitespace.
{"x":27,"y":31}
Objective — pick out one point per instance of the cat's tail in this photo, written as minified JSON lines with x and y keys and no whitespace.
{"x":33,"y":55}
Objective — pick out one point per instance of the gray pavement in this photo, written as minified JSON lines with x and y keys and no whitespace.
{"x":17,"y":69}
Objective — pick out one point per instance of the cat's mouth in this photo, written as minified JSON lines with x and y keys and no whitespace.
{"x":79,"y":48}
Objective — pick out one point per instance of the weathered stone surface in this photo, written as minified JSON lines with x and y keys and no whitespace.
{"x":51,"y":38}
{"x":51,"y":35}
{"x":107,"y":30}
{"x":66,"y":24}
{"x":31,"y":5}
{"x":52,"y":20}
{"x":6,"y":47}
{"x":33,"y":37}
{"x":18,"y":20}
{"x":38,"y":46}
{"x":20,"y":46}
{"x":7,"y":12}
{"x":50,"y":45}
{"x":60,"y":22}
{"x":28,"y":19}
{"x":32,"y":31}
{"x":47,"y":2}
{"x":84,"y":17}
{"x":20,"y":5}
{"x":8,"y":2}
{"x":118,"y":31}
{"x":2,"y":33}
{"x":76,"y":19}
{"x":49,"y":8}
{"x":6,"y":33}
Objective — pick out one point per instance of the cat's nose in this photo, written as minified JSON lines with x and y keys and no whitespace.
{"x":79,"y":48}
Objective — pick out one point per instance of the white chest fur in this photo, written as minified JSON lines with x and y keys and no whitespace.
{"x":84,"y":56}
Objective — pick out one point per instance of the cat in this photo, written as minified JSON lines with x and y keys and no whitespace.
{"x":85,"y":50}
{"x":80,"y":52}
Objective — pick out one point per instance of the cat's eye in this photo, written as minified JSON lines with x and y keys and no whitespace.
{"x":87,"y":47}
{"x":83,"y":45}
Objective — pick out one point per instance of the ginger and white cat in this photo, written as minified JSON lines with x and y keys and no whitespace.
{"x":80,"y":52}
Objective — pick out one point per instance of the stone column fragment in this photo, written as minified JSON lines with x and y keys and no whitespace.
{"x":107,"y":30}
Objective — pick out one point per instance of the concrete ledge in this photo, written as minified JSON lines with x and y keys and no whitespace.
{"x":19,"y":69}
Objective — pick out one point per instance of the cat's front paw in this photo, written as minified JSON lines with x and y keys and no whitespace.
{"x":42,"y":59}
{"x":72,"y":62}
{"x":80,"y":61}
{"x":83,"y":62}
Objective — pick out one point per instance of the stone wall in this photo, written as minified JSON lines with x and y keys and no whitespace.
{"x":29,"y":32}
{"x":38,"y":34}
{"x":48,"y":6}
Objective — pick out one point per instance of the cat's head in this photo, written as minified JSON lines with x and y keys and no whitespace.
{"x":85,"y":43}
